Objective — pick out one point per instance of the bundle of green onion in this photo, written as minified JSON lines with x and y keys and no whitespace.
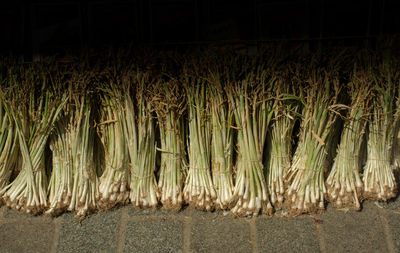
{"x":170,"y":103}
{"x":221,"y":142}
{"x":286,"y":111}
{"x":305,"y":178}
{"x":34,"y":114}
{"x":113,"y":184}
{"x":378,"y":177}
{"x":85,"y":187}
{"x":252,"y":103}
{"x":138,"y":125}
{"x":199,"y":189}
{"x":344,"y":185}
{"x":9,"y":151}
{"x":73,"y":183}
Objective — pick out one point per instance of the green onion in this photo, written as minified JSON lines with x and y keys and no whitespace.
{"x":252,"y":103}
{"x":286,"y":108}
{"x":199,"y":190}
{"x":34,"y":119}
{"x":221,"y":142}
{"x":73,"y":183}
{"x":344,"y":185}
{"x":9,"y":151}
{"x":170,"y":104}
{"x":113,"y":184}
{"x":378,"y":177}
{"x":85,"y":187}
{"x":305,"y":178}
{"x":139,"y":132}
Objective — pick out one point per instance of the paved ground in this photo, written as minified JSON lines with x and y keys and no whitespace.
{"x":375,"y":228}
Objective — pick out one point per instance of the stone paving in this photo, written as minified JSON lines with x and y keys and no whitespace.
{"x":374,"y":229}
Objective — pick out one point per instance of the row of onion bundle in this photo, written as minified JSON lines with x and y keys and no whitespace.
{"x":214,"y":134}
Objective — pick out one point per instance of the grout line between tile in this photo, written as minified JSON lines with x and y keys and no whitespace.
{"x":388,"y":235}
{"x":122,"y":230}
{"x":187,"y":231}
{"x":321,"y":239}
{"x":253,"y":234}
{"x":57,"y":231}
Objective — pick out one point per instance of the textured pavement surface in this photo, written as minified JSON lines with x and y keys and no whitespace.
{"x":374,"y":229}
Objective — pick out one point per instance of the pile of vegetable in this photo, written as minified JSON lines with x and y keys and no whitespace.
{"x":248,"y":134}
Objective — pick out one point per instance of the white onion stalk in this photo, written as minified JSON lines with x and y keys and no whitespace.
{"x":378,"y":176}
{"x":221,"y":144}
{"x":169,"y":101}
{"x":344,"y":183}
{"x":113,"y":184}
{"x":199,"y":190}
{"x":34,"y":121}
{"x":253,"y":113}
{"x":139,"y":132}
{"x":305,"y":178}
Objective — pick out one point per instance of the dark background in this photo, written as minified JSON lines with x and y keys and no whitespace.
{"x":64,"y":27}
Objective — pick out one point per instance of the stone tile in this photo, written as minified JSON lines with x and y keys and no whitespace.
{"x":26,"y":236}
{"x":394,"y":227}
{"x":154,"y":236}
{"x":134,"y":212}
{"x":353,"y":231}
{"x":13,"y":214}
{"x":221,"y":234}
{"x":393,"y":204}
{"x":287,"y":235}
{"x":97,"y":233}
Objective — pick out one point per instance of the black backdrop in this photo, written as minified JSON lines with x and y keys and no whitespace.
{"x":62,"y":27}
